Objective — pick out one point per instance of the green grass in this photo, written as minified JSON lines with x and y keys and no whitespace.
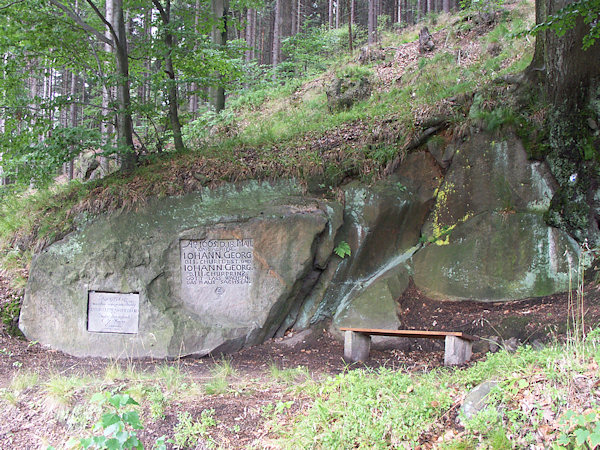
{"x":62,"y":389}
{"x":290,"y":376}
{"x":382,"y":408}
{"x":386,"y":408}
{"x":221,"y":372}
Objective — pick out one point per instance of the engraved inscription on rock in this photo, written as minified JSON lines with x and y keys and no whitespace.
{"x":213,"y":269}
{"x":113,"y":312}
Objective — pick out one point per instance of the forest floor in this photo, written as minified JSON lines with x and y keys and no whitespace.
{"x":259,"y":380}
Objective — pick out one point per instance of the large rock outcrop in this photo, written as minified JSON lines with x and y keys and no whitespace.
{"x":486,"y":239}
{"x":191,"y":275}
{"x":218,"y":270}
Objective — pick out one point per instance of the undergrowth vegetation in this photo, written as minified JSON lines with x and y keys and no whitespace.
{"x":545,"y":397}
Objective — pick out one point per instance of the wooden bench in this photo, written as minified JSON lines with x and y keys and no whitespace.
{"x":458,"y":345}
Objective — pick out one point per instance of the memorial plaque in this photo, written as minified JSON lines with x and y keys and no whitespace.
{"x":215,"y":268}
{"x":113,"y":312}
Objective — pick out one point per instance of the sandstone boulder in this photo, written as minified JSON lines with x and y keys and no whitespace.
{"x":486,"y":238}
{"x":202,"y":273}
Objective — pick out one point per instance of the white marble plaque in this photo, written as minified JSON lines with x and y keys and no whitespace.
{"x":113,"y":312}
{"x":213,"y":269}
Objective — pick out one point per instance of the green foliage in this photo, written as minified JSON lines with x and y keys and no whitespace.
{"x":482,"y":6}
{"x":20,"y":382}
{"x":579,"y":430}
{"x":171,"y":376}
{"x":492,"y":118}
{"x":342,"y":249}
{"x":158,"y":402}
{"x":291,"y":376}
{"x":201,"y":128}
{"x":118,"y":425}
{"x":488,"y":424}
{"x":62,"y":389}
{"x":565,"y":20}
{"x":188,"y":432}
{"x":9,"y":314}
{"x":313,"y":50}
{"x":361,"y":408}
{"x":219,"y":384}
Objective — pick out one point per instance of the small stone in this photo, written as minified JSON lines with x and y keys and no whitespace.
{"x":475,"y":401}
{"x":426,"y":43}
{"x":537,"y":344}
{"x":592,"y":123}
{"x":494,"y":343}
{"x":511,"y":345}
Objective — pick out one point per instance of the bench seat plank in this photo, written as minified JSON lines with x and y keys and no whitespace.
{"x":412,"y":333}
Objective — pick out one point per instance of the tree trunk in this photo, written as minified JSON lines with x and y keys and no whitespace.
{"x":371,"y":23}
{"x":446,"y":5}
{"x":566,"y":69}
{"x":276,"y":38}
{"x":330,"y":14}
{"x":193,"y":106}
{"x":294,"y":18}
{"x":105,"y":125}
{"x":165,"y":14}
{"x":73,"y":119}
{"x":124,"y":123}
{"x":568,"y":75}
{"x":220,"y":9}
{"x":350,"y":10}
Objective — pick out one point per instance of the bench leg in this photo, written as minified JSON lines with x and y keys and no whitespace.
{"x":356,"y":346}
{"x":457,"y":351}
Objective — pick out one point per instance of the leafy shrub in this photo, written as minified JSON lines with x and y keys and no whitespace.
{"x":117,"y":426}
{"x":9,"y":313}
{"x":342,"y":249}
{"x":354,"y":73}
{"x":579,"y":430}
{"x":188,"y":431}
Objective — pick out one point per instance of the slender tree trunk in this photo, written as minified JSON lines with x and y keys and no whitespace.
{"x":446,"y":5}
{"x":193,"y":106}
{"x":165,"y":14}
{"x":349,"y":9}
{"x":73,"y":119}
{"x":371,"y":22}
{"x":249,"y":35}
{"x":124,"y":123}
{"x":399,"y":14}
{"x":299,"y":17}
{"x":220,"y":10}
{"x":106,"y":128}
{"x":276,"y":37}
{"x":294,"y":18}
{"x":330,"y":14}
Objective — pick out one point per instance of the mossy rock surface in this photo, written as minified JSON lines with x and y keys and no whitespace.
{"x":140,"y":252}
{"x":496,"y":256}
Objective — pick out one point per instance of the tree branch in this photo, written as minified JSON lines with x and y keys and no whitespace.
{"x":105,"y":22}
{"x":163,"y":14}
{"x":79,"y":21}
{"x":11,"y":4}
